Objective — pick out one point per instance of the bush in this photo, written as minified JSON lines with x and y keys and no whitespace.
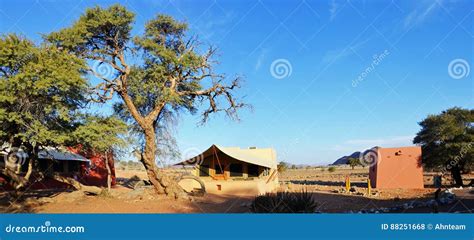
{"x":282,"y":166}
{"x":284,"y":202}
{"x":331,"y":169}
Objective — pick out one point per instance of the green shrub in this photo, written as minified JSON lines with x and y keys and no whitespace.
{"x":282,"y":166}
{"x":331,"y":169}
{"x":284,"y":202}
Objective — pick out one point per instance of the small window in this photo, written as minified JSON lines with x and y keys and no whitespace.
{"x":252,"y":170}
{"x":219,"y":169}
{"x":204,"y":170}
{"x":236,"y":170}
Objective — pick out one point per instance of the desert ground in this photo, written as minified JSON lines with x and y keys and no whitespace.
{"x":327,"y":188}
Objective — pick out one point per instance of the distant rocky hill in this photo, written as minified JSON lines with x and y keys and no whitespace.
{"x":345,"y":159}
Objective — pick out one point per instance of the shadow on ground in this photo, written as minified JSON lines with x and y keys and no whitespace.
{"x":26,"y":201}
{"x":143,"y":200}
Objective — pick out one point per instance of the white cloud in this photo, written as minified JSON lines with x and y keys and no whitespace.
{"x":210,"y":25}
{"x":353,"y":145}
{"x":382,"y":142}
{"x":260,"y":60}
{"x":335,"y":55}
{"x":333,"y":9}
{"x":418,"y":16}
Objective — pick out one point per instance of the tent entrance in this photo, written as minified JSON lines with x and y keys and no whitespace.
{"x":219,"y":167}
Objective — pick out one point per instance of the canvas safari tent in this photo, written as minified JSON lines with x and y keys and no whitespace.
{"x":233,"y":170}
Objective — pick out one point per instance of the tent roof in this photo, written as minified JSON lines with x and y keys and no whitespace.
{"x":265,"y":157}
{"x":60,"y":154}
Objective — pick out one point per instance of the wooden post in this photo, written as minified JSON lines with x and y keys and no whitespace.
{"x":348,"y":184}
{"x":369,"y":188}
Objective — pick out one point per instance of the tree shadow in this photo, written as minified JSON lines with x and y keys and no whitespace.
{"x":342,"y":203}
{"x":27,"y":201}
{"x":326,"y":183}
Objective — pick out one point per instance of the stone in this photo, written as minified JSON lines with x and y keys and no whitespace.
{"x":136,"y":193}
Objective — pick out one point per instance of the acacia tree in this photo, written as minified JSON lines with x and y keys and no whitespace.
{"x":353,"y":162}
{"x":41,"y":90}
{"x":42,"y":94}
{"x":447,"y":141}
{"x":155,"y":74}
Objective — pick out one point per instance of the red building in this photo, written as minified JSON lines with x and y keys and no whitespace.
{"x":87,"y":168}
{"x":95,"y":173}
{"x":396,"y":167}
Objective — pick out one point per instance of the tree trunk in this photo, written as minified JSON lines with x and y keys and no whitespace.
{"x":77,"y":185}
{"x":16,"y":180}
{"x":31,"y":162}
{"x":26,"y":179}
{"x":162,"y":182}
{"x":456,"y":174}
{"x":109,"y":172}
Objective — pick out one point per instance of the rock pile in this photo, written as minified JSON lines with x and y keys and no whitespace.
{"x":446,"y":197}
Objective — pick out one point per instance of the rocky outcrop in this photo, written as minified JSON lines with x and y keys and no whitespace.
{"x":345,"y":159}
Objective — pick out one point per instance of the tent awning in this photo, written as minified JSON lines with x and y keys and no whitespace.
{"x":265,"y":157}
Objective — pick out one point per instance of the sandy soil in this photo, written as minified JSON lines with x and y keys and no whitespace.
{"x":327,"y":189}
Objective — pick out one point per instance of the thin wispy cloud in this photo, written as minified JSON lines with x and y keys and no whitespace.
{"x":333,"y":8}
{"x":419,"y":15}
{"x":337,"y":54}
{"x":260,"y":59}
{"x":210,"y":24}
{"x":382,"y":142}
{"x":353,"y":145}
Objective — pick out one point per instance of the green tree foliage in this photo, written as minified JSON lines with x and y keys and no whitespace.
{"x":42,"y":93}
{"x":282,"y":166}
{"x":353,"y":162}
{"x":156,"y":75}
{"x":447,"y":141}
{"x":101,"y":134}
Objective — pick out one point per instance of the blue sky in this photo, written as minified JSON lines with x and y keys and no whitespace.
{"x":348,"y":75}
